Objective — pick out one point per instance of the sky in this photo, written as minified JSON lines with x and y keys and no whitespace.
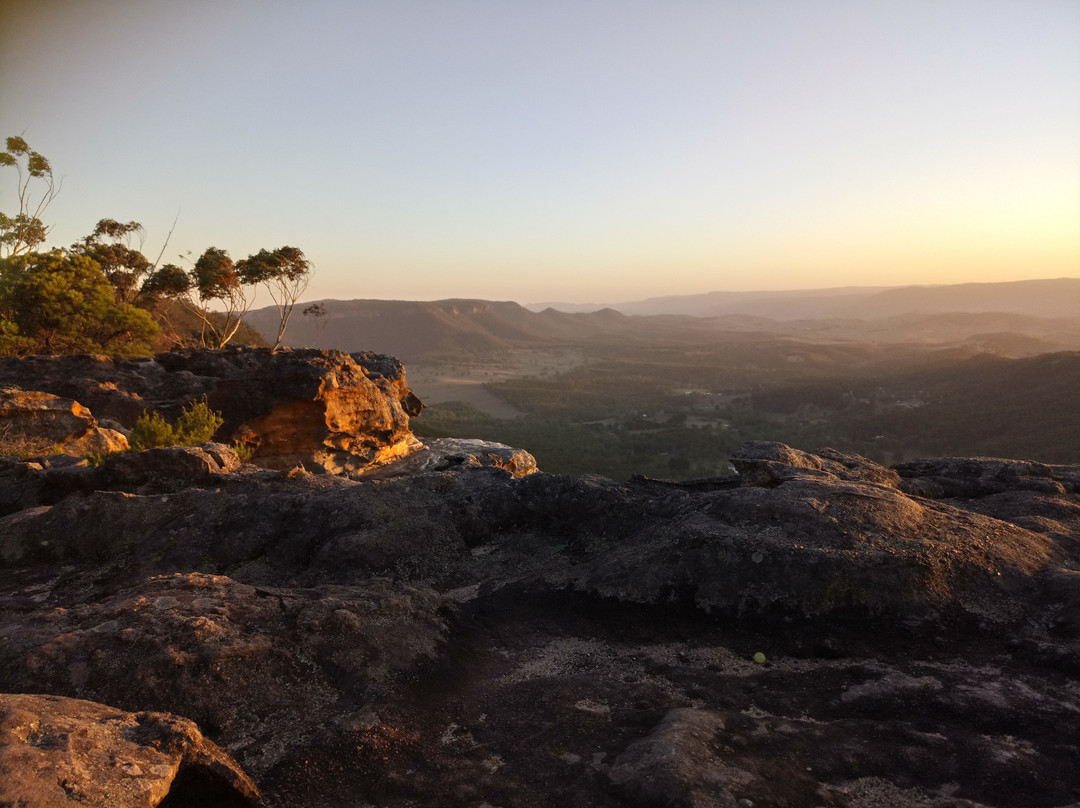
{"x":552,"y":150}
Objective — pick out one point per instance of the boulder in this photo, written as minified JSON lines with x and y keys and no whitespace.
{"x":32,"y":412}
{"x":59,"y":751}
{"x":96,"y":441}
{"x":108,"y":387}
{"x":676,"y":765}
{"x":442,"y":454}
{"x":767,"y":463}
{"x":33,"y":421}
{"x":188,"y":464}
{"x":971,"y":477}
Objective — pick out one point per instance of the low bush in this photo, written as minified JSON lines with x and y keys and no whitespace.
{"x":196,"y":424}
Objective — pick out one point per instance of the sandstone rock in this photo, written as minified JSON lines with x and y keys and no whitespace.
{"x":322,"y":409}
{"x":36,"y":422}
{"x":150,"y":471}
{"x":982,"y":476}
{"x":281,"y":657}
{"x":175,"y":463}
{"x":96,"y":441}
{"x":32,"y":412}
{"x":326,"y":410}
{"x":48,"y":421}
{"x":676,"y":765}
{"x":108,"y":387}
{"x":56,"y":751}
{"x":696,"y":757}
{"x":806,"y":547}
{"x":441,"y":454}
{"x":768,"y":464}
{"x":465,"y":636}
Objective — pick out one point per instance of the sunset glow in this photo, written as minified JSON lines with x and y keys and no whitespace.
{"x":567,"y":151}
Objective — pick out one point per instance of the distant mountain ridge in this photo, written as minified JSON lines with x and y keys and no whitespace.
{"x":1059,"y":297}
{"x":1020,"y":318}
{"x":411,"y":328}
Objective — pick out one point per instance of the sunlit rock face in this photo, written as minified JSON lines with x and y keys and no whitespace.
{"x":60,"y":751}
{"x":41,"y":418}
{"x":324,"y":410}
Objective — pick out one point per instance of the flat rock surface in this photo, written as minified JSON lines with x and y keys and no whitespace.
{"x":60,"y":751}
{"x":443,"y":454}
{"x":467,"y":637}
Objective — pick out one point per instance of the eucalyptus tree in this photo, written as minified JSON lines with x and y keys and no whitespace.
{"x":111,"y":244}
{"x":35,"y":189}
{"x":285,"y":272}
{"x":216,"y":290}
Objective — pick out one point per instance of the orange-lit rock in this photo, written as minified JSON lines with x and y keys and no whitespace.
{"x":56,"y":751}
{"x":320,"y":409}
{"x":43,"y":421}
{"x":324,"y":410}
{"x":44,"y":415}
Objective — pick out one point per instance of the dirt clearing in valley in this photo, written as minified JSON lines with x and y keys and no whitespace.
{"x":465,"y":377}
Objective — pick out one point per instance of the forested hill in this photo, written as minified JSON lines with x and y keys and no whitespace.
{"x":415,"y":329}
{"x":410,"y":328}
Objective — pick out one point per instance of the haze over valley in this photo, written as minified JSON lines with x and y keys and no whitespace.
{"x":894,"y":374}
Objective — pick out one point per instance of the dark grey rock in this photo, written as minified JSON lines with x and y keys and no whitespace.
{"x":464,"y":636}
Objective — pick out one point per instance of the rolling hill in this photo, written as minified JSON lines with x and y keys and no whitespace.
{"x":409,"y":329}
{"x":415,"y":329}
{"x":1058,"y":297}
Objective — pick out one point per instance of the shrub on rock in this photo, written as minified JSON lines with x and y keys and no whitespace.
{"x":196,"y":424}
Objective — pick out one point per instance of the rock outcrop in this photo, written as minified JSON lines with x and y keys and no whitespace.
{"x":443,"y":454}
{"x":455,"y":632}
{"x":58,"y":751}
{"x":324,"y":410}
{"x":44,"y":422}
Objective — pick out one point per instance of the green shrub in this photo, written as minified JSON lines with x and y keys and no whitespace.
{"x":195,"y":425}
{"x":151,"y":431}
{"x":198,"y":424}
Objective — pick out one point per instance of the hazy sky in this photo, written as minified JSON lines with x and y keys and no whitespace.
{"x":546,"y":150}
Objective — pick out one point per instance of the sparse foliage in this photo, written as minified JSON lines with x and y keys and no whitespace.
{"x":197,"y":423}
{"x":318,"y":312}
{"x":151,"y":431}
{"x":35,"y":190}
{"x":112,"y":246}
{"x":213,"y":279}
{"x":285,"y":272}
{"x":98,"y":295}
{"x":217,"y":279}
